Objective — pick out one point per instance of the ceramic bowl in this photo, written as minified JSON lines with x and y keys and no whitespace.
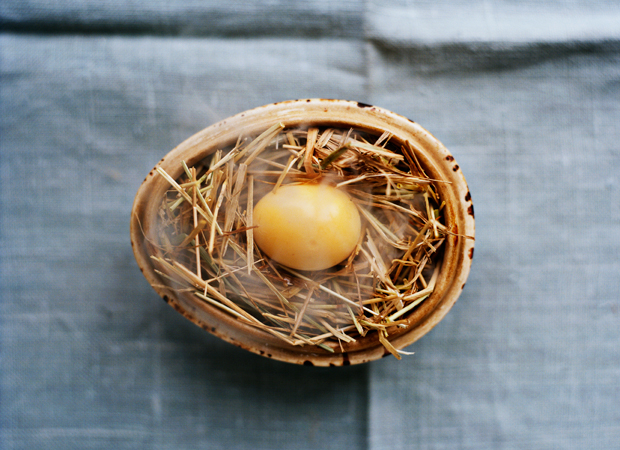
{"x":437,"y":162}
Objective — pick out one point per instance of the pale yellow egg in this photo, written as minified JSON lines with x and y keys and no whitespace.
{"x":307,"y":227}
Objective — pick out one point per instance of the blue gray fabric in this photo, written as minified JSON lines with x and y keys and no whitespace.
{"x":527,"y":98}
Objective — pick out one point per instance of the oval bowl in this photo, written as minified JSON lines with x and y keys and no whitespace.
{"x":437,"y":162}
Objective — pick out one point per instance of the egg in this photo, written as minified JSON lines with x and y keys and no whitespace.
{"x":307,"y":226}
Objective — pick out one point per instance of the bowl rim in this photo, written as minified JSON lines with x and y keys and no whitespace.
{"x":433,"y":156}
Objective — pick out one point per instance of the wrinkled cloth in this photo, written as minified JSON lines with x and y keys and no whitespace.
{"x":525,"y":96}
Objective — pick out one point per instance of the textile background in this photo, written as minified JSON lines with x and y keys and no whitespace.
{"x":526,"y":95}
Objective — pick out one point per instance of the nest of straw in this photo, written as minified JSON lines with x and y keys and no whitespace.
{"x":205,"y":247}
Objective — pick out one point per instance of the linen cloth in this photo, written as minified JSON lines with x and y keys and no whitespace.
{"x":525,"y":95}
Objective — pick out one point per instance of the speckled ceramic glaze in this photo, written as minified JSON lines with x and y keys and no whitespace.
{"x":438,"y":163}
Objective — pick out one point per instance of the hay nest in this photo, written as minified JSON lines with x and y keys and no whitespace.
{"x":204,"y":243}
